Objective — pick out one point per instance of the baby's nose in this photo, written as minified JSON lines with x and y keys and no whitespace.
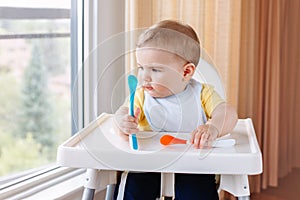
{"x":146,"y":77}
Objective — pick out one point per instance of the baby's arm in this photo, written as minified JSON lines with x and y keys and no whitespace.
{"x":223,"y":120}
{"x":125,"y":124}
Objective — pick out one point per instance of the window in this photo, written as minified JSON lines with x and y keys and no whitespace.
{"x":35,"y":82}
{"x":75,"y":95}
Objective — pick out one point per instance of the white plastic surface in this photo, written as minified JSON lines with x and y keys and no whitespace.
{"x":99,"y":147}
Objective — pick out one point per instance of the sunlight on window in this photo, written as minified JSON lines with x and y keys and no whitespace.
{"x":35,"y":94}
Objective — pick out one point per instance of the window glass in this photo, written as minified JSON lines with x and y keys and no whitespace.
{"x":35,"y":78}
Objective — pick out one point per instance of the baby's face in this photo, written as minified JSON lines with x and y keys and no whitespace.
{"x":160,"y":73}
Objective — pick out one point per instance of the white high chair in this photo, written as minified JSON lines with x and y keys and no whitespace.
{"x":102,"y":152}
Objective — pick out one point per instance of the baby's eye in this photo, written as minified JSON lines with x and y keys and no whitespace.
{"x":156,"y":70}
{"x":140,"y":68}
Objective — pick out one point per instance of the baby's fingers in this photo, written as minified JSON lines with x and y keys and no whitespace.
{"x":129,"y":122}
{"x":127,"y":129}
{"x":193,"y":133}
{"x":195,"y":138}
{"x":123,"y":135}
{"x":204,"y":140}
{"x":137,"y":112}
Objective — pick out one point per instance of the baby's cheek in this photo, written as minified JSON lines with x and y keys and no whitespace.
{"x":168,"y":91}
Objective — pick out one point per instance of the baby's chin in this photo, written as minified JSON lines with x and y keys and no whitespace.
{"x":158,"y":95}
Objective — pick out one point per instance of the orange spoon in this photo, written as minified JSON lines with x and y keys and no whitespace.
{"x":168,"y":139}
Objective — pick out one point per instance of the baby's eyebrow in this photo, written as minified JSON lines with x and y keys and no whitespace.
{"x":153,"y":65}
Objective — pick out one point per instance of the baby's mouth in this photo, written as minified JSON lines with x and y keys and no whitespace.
{"x":147,"y":87}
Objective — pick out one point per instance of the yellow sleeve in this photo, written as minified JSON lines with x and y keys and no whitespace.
{"x":139,"y":103}
{"x":210,"y":99}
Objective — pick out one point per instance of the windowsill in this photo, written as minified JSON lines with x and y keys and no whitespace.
{"x":61,"y":190}
{"x":18,"y":177}
{"x":57,"y":183}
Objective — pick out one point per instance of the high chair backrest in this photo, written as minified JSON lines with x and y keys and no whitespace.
{"x":208,"y":74}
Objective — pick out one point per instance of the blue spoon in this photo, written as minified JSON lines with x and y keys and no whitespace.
{"x":132,"y":83}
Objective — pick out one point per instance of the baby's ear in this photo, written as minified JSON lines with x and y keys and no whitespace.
{"x":188,"y":71}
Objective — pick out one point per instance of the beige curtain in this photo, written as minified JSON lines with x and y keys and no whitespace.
{"x":289,"y":136}
{"x":260,"y":66}
{"x":255,"y":46}
{"x":269,"y":67}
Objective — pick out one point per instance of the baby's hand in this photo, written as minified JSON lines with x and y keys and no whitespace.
{"x":125,"y":123}
{"x":204,"y":135}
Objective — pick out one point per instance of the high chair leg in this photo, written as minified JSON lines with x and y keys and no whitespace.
{"x":96,"y":179}
{"x":92,"y":181}
{"x":88,"y":194}
{"x":110,"y":192}
{"x":167,"y":186}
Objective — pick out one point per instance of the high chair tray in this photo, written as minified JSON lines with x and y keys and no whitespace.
{"x":99,"y":147}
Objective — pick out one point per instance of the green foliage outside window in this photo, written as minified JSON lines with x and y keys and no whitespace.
{"x":34,"y":119}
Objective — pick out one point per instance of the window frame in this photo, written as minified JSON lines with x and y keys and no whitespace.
{"x":11,"y":185}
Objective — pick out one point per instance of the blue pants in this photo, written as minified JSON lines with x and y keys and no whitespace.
{"x":146,"y":186}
